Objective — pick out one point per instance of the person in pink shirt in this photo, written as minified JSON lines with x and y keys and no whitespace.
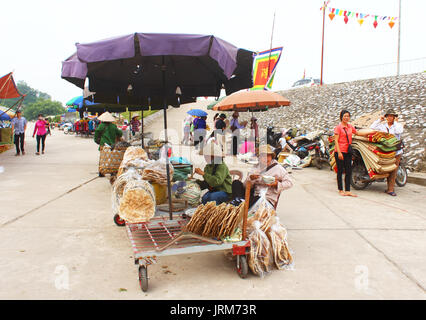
{"x":40,"y":129}
{"x":342,"y":152}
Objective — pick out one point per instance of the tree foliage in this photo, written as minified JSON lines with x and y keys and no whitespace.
{"x":35,"y":102}
{"x":45,"y":107}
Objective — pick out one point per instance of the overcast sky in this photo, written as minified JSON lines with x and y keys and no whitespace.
{"x":38,"y":34}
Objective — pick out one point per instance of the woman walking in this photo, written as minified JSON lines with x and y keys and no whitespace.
{"x":187,"y":122}
{"x":343,"y":152}
{"x":40,"y":130}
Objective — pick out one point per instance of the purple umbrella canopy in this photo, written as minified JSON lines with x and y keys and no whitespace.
{"x":144,"y":68}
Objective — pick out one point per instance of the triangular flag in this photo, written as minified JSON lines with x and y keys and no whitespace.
{"x":360,"y":21}
{"x":346,"y":19}
{"x":331,"y":15}
{"x":375,"y":24}
{"x":391,"y":24}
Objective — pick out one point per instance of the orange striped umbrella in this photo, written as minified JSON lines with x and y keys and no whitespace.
{"x":252,"y":100}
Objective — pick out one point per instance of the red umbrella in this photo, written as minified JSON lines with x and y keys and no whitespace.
{"x":253,"y":100}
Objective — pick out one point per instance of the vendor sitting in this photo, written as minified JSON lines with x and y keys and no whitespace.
{"x":216,"y":175}
{"x":267,"y":167}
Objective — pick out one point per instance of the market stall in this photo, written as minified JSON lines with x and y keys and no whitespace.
{"x":8,"y":90}
{"x":159,"y":70}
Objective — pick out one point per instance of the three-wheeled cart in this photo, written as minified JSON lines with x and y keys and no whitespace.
{"x":162,"y":236}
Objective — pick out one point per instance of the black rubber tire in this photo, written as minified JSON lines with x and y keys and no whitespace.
{"x":101,"y":175}
{"x":143,"y":278}
{"x":242,"y":270}
{"x":358,"y":170}
{"x":401,"y":176}
{"x":118,"y":221}
{"x":317,"y":162}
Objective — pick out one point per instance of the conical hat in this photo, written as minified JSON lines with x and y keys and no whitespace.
{"x":266,"y":149}
{"x":106,"y":117}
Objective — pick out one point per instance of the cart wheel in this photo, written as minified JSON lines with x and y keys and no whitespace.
{"x":101,"y":175}
{"x":143,"y":278}
{"x":118,"y":221}
{"x":242,"y":266}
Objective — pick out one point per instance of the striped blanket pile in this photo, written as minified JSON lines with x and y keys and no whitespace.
{"x":378,"y":153}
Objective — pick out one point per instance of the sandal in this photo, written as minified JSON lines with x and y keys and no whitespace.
{"x":393,"y":194}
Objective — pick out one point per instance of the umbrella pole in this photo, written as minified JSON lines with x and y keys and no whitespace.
{"x":169,"y":189}
{"x":143,"y":143}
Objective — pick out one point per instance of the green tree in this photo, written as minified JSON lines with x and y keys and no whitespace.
{"x":44,"y":106}
{"x":32,"y":95}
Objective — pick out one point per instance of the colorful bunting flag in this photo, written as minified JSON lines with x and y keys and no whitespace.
{"x":359,"y":16}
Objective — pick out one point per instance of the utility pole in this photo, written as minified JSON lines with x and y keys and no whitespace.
{"x":399,"y":39}
{"x":322,"y":47}
{"x":270,"y":47}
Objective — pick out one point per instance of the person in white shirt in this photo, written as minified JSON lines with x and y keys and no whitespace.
{"x":391,"y":126}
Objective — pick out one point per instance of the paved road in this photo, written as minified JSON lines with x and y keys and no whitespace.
{"x":58,"y":240}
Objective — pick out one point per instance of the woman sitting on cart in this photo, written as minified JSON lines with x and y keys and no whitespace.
{"x":216,"y":175}
{"x":107,"y":132}
{"x":267,"y":167}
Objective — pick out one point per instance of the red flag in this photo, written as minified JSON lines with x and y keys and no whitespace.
{"x":8,"y":89}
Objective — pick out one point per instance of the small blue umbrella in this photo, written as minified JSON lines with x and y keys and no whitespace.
{"x":4,"y":116}
{"x":197,"y":113}
{"x":86,"y":103}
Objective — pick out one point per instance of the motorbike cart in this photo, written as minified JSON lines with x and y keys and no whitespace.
{"x":361,"y":180}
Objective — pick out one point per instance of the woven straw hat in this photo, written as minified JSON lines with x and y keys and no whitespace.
{"x":391,"y":112}
{"x":266,"y":149}
{"x":212,"y":149}
{"x":106,"y":117}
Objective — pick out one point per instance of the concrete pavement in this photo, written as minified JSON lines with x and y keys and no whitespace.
{"x":58,"y":240}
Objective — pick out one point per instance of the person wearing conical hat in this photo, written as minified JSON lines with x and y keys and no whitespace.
{"x":389,"y":124}
{"x":216,"y":176}
{"x":268,"y":169}
{"x":107,"y":132}
{"x":135,"y":124}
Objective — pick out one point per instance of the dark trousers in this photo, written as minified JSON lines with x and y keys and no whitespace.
{"x":239,"y":191}
{"x":42,"y":139}
{"x":235,"y":140}
{"x":19,"y":142}
{"x":346,"y":166}
{"x":199,"y":139}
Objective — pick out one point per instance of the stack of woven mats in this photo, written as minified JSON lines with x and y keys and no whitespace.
{"x":378,"y":153}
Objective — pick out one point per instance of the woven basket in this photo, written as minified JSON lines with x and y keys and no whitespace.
{"x":109,"y":161}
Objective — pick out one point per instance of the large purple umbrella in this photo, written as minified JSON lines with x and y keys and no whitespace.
{"x":142,"y":68}
{"x":157,"y":70}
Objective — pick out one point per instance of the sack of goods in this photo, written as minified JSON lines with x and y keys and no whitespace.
{"x":156,"y":172}
{"x":190,"y":191}
{"x":119,"y":185}
{"x":268,"y":238}
{"x":134,"y":157}
{"x":214,"y":221}
{"x":377,"y":150}
{"x":137,"y":203}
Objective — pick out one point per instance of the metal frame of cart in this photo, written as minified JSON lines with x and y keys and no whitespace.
{"x":164,"y":237}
